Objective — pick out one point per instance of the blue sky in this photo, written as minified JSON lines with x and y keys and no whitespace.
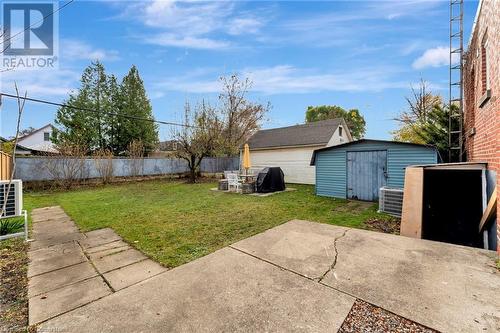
{"x":356,"y":54}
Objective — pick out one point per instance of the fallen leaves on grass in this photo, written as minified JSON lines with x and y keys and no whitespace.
{"x":390,"y":225}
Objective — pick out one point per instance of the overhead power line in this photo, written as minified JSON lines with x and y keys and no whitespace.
{"x":37,"y":100}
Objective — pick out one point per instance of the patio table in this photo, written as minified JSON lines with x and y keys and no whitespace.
{"x":247,"y":178}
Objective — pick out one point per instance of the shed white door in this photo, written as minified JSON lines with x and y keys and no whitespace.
{"x":293,"y":161}
{"x":366,"y":174}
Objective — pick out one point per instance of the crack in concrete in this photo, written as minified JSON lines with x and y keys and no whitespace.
{"x":95,"y":268}
{"x":335,"y":258}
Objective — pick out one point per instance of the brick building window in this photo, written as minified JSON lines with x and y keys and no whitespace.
{"x":485,"y":77}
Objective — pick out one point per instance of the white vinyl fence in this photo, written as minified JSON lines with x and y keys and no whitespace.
{"x":46,"y":168}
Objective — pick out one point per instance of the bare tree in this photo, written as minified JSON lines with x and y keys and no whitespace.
{"x":136,"y":157}
{"x":103,"y":160}
{"x":199,"y":137}
{"x":240,"y":116}
{"x":67,"y":168}
{"x":20,"y":109}
{"x":420,"y":104}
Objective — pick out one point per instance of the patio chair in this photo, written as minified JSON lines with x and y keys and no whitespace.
{"x":233,"y":181}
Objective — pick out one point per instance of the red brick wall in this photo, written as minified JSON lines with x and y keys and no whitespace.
{"x":482,"y":124}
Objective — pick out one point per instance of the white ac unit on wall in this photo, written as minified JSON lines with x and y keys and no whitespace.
{"x":14,"y":197}
{"x":391,"y":201}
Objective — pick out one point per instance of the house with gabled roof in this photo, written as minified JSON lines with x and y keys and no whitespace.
{"x":292,"y":147}
{"x":39,"y":141}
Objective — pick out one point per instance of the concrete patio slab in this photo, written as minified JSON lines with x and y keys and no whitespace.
{"x":132,"y":274}
{"x":65,"y":299}
{"x":56,"y":240}
{"x":300,"y":246}
{"x":54,"y":223}
{"x":45,"y":209}
{"x":52,"y":280}
{"x":449,"y":288}
{"x":55,"y":257}
{"x":48,"y":230}
{"x":63,"y":277}
{"x":103,"y":253}
{"x":59,"y":217}
{"x":446,"y":287}
{"x":99,"y":237}
{"x":300,"y":276}
{"x":255,"y":194}
{"x":46,"y":214}
{"x":226,"y":291}
{"x":117,"y":260}
{"x":107,"y":246}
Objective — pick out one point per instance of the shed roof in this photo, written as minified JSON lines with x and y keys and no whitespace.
{"x":318,"y":132}
{"x":343,"y":145}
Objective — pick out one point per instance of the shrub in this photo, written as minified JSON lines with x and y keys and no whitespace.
{"x":103,"y":160}
{"x":68,"y":167}
{"x":136,"y":157}
{"x":11,"y":225}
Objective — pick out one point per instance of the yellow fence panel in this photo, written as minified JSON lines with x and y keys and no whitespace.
{"x":5,"y":166}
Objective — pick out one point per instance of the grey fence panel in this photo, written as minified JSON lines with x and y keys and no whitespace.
{"x":219,"y":164}
{"x":46,"y":168}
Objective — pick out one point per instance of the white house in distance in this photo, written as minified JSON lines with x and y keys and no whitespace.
{"x":291,"y":148}
{"x":39,"y":140}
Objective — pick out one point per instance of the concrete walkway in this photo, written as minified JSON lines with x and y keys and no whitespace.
{"x":300,"y":276}
{"x":69,"y":269}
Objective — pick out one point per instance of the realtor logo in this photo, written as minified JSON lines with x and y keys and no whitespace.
{"x":29,"y":35}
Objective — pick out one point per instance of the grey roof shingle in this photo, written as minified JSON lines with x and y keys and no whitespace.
{"x":318,"y":132}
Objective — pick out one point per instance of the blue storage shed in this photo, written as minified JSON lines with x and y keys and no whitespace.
{"x":358,"y":169}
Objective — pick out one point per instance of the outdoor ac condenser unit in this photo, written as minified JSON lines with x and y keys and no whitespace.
{"x":14,"y":198}
{"x":391,"y":201}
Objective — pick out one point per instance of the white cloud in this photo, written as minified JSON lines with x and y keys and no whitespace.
{"x":77,"y":50}
{"x":366,"y":21}
{"x":168,"y":39}
{"x":244,"y":25}
{"x":394,"y":9}
{"x":435,"y":57}
{"x":191,"y":24}
{"x":191,"y":17}
{"x":46,"y":84}
{"x":286,"y":79}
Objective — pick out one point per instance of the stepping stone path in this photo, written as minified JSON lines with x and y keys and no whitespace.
{"x":69,"y":269}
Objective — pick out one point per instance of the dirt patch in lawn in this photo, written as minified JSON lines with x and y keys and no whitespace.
{"x":354,"y":205}
{"x":13,"y":286}
{"x":365,"y":317}
{"x":389,"y":225}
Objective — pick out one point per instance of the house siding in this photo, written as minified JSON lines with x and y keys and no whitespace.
{"x":294,"y":160}
{"x":331,"y":165}
{"x":331,"y":174}
{"x":295,"y":163}
{"x":399,"y":158}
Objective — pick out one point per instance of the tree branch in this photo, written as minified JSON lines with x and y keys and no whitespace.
{"x":20,"y":108}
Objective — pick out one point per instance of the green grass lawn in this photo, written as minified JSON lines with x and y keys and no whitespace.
{"x":175,"y":222}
